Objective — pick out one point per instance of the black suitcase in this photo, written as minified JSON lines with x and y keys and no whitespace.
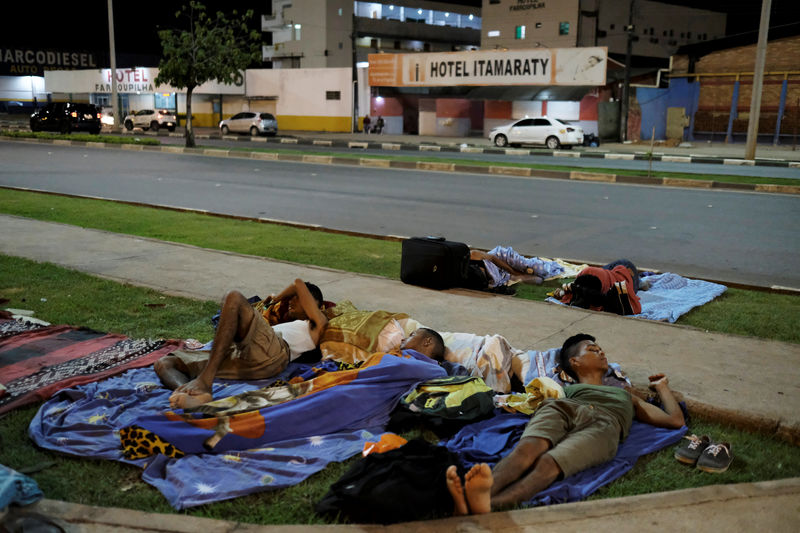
{"x":434,"y":262}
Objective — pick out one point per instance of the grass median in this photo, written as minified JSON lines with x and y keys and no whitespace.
{"x":81,"y":137}
{"x":655,"y":175}
{"x":738,"y":311}
{"x":59,"y":295}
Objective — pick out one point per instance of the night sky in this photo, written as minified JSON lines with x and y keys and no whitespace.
{"x":68,"y":27}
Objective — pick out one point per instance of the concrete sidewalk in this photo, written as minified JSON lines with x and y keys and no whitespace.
{"x":746,"y":381}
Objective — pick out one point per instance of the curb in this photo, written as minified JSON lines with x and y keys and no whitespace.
{"x":685,"y":505}
{"x":502,"y":170}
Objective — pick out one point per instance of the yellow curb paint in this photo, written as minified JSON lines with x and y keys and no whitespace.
{"x":271,"y":156}
{"x":783,"y":189}
{"x":382,"y":163}
{"x":678,"y":182}
{"x":442,"y":167}
{"x":510,"y":171}
{"x":323,"y":159}
{"x":593,"y":176}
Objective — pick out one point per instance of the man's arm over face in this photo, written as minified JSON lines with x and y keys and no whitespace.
{"x":318,"y":319}
{"x":671,"y":416}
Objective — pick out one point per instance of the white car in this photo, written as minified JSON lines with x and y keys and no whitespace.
{"x":550,"y":132}
{"x":149,"y":119}
{"x":250,"y":122}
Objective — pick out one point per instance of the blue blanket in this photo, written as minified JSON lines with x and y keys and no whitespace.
{"x":488,"y":441}
{"x":307,"y":433}
{"x":670,"y":296}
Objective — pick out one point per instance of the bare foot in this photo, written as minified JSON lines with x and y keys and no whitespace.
{"x":478,"y":486}
{"x":456,"y":491}
{"x":183,"y":400}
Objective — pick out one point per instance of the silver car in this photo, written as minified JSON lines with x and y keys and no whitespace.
{"x":151,"y":119}
{"x":250,"y":122}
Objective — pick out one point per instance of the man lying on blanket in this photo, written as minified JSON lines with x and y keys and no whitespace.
{"x":565,"y":435}
{"x":331,"y":402}
{"x":245,"y":345}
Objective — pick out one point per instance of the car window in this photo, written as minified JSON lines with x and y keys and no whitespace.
{"x":249,"y":115}
{"x":541,"y":122}
{"x":237,"y":116}
{"x":267,"y":116}
{"x":524,"y":122}
{"x":145,"y":112}
{"x":559,"y":121}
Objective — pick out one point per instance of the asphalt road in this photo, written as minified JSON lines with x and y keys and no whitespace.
{"x":543,"y":159}
{"x":737,"y":237}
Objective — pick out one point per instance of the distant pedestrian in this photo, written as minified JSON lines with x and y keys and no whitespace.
{"x":367,"y":122}
{"x":379,"y":125}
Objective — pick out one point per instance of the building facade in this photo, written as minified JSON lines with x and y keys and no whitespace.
{"x":658,"y":29}
{"x":322,"y":33}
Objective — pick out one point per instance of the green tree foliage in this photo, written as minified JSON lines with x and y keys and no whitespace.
{"x":205,"y":48}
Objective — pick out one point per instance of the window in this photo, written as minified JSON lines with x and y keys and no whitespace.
{"x":664,"y":34}
{"x":519,"y":32}
{"x":340,"y":46}
{"x":538,"y":25}
{"x":611,"y":27}
{"x":682,"y":35}
{"x":563,"y":28}
{"x":333,"y":95}
{"x":494,"y":1}
{"x":493,"y":33}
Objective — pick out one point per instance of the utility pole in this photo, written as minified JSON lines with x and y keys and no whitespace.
{"x":113,"y":54}
{"x":353,"y":37}
{"x":758,"y":81}
{"x":623,"y":118}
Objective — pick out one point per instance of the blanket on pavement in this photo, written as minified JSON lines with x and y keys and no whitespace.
{"x":671,"y":296}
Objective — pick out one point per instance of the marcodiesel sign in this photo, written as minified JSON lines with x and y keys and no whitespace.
{"x":32,"y":62}
{"x":538,"y":66}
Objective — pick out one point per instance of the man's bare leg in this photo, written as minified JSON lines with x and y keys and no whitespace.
{"x":456,"y":491}
{"x":168,"y":373}
{"x":544,"y":473}
{"x":478,"y":487}
{"x":514,"y":465}
{"x":234,"y":322}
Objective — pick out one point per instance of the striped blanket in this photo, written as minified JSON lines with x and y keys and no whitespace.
{"x":36,"y":361}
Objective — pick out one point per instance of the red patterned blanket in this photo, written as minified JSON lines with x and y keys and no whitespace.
{"x":37,"y":361}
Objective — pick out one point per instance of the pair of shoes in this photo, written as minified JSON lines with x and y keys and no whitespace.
{"x":705,"y":454}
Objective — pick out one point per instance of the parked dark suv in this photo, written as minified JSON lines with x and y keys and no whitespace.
{"x":67,"y":117}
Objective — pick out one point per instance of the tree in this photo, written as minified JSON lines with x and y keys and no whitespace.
{"x":206,"y":48}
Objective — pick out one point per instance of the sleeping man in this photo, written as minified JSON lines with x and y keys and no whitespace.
{"x":245,"y":345}
{"x":565,"y":435}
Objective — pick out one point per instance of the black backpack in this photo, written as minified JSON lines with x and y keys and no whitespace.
{"x":407,"y":483}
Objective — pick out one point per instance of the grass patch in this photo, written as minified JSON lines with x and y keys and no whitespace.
{"x":751,"y":462}
{"x":738,"y":311}
{"x":79,"y":299}
{"x":656,"y":175}
{"x":82,"y":137}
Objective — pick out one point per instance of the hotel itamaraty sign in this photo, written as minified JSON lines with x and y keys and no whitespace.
{"x":538,"y":66}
